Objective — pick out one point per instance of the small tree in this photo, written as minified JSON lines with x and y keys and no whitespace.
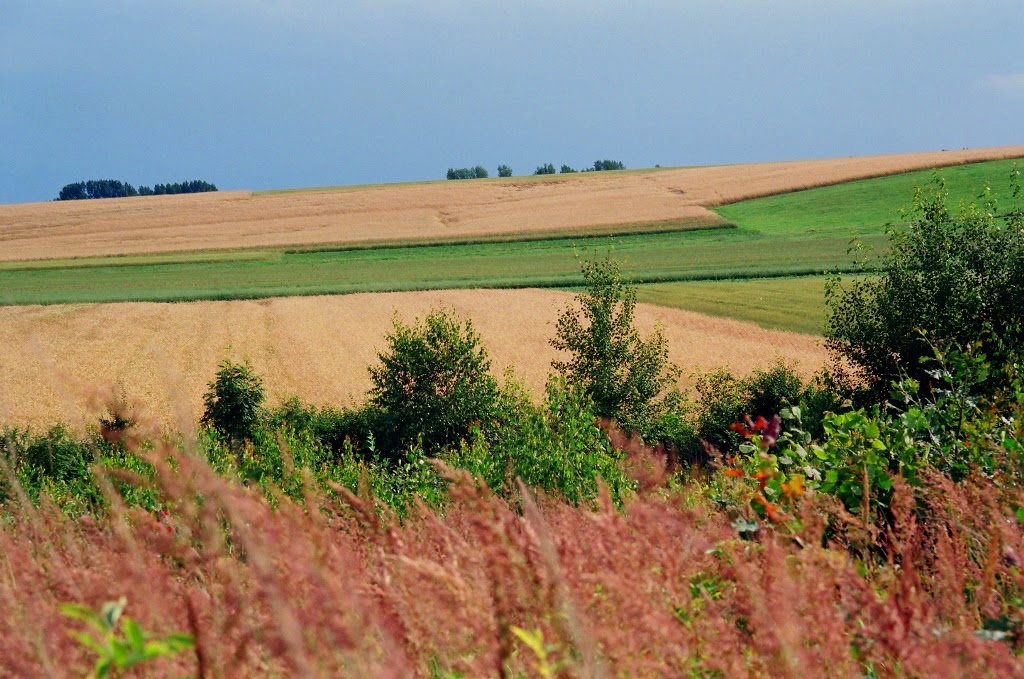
{"x":566,"y":169}
{"x":950,"y":276}
{"x":432,"y":383}
{"x":504,"y":171}
{"x":547,"y":168}
{"x":630,"y":378}
{"x":234,"y":402}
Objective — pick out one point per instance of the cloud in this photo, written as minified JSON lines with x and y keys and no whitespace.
{"x":1006,"y":83}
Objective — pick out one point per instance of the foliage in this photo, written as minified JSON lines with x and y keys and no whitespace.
{"x":945,"y":279}
{"x":629,"y":378}
{"x":504,"y":171}
{"x":234,"y":401}
{"x":188,"y":186}
{"x":546,"y":168}
{"x":565,"y":169}
{"x":120,"y":649}
{"x":432,"y":384}
{"x":478,"y":172}
{"x":558,"y":449}
{"x":113,"y":188}
{"x":724,"y":399}
{"x":602,"y":165}
{"x":97,"y":188}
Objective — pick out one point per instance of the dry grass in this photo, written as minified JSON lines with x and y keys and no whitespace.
{"x":429,"y":210}
{"x":660,"y":589}
{"x":52,"y":357}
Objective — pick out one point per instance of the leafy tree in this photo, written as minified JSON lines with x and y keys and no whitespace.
{"x":602,"y":165}
{"x":478,"y":172}
{"x":112,"y":188}
{"x":948,"y":278}
{"x":432,"y":384}
{"x":566,"y":170}
{"x":234,"y":401}
{"x":630,"y":378}
{"x":547,"y":168}
{"x":504,"y":171}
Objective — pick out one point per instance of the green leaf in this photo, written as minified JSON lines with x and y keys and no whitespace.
{"x":133,"y":633}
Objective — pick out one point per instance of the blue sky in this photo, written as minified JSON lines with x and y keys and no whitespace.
{"x":269,"y":94}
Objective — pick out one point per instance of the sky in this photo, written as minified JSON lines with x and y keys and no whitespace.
{"x":261,"y":94}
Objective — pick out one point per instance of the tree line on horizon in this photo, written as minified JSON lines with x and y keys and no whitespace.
{"x":115,"y":188}
{"x":480,"y":172}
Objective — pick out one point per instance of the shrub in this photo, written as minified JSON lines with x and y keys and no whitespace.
{"x":234,"y":401}
{"x":432,"y":383}
{"x":566,"y":170}
{"x":724,"y":399}
{"x":558,"y":448}
{"x":629,"y":378}
{"x":478,"y":172}
{"x":944,"y":280}
{"x":337,"y":430}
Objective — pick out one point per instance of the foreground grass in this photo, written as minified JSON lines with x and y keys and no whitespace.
{"x":795,"y":304}
{"x":331,"y":586}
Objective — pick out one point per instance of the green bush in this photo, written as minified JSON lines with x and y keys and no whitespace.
{"x":945,"y":278}
{"x":629,"y":378}
{"x":724,"y":399}
{"x":504,"y":171}
{"x":558,"y":448}
{"x":337,"y":430}
{"x":432,"y":384}
{"x":234,"y":401}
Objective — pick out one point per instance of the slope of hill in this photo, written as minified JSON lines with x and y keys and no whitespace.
{"x":238,"y":219}
{"x":53,"y":358}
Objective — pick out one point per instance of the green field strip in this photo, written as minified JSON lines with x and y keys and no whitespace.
{"x":685,"y":255}
{"x":866,"y":205}
{"x":795,"y":304}
{"x":710,"y":223}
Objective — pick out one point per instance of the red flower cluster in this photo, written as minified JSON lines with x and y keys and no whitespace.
{"x":768,"y":429}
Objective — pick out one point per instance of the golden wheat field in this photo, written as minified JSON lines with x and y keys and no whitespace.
{"x":56,"y":361}
{"x":234,"y":219}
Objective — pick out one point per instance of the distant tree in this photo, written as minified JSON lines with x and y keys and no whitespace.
{"x":112,"y":188}
{"x":547,"y":168}
{"x":566,"y":169}
{"x":602,"y":165}
{"x":504,"y":171}
{"x":478,"y":172}
{"x":74,"y":191}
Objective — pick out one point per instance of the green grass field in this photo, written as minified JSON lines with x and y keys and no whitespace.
{"x":864,"y":206}
{"x":796,"y":304}
{"x":802,"y":233}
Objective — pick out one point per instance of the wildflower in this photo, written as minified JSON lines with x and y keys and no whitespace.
{"x":794,"y":487}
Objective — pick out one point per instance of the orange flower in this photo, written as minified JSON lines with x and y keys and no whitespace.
{"x":733,"y":472}
{"x":794,"y":487}
{"x":771,"y":511}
